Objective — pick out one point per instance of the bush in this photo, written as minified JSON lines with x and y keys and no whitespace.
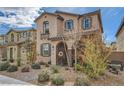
{"x":49,"y":62}
{"x":41,"y":63}
{"x":55,"y":69}
{"x":79,"y":67}
{"x":12,"y":68}
{"x":35,"y":66}
{"x":47,"y":65}
{"x":4,"y":59}
{"x":94,"y":58}
{"x":57,"y":79}
{"x":25,"y":69}
{"x":79,"y":81}
{"x":43,"y":76}
{"x":4,"y":66}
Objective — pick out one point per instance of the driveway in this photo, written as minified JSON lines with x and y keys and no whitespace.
{"x":4,"y":80}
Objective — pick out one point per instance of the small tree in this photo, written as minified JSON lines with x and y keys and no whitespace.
{"x":93,"y":55}
{"x":30,"y":50}
{"x":94,"y":64}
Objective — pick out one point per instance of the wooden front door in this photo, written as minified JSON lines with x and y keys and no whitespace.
{"x":61,"y":58}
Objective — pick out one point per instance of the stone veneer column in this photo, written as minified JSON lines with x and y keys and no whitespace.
{"x":70,"y":56}
{"x":53,"y":54}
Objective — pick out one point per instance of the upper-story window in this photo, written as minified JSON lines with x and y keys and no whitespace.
{"x":46,"y":27}
{"x":12,"y":37}
{"x":86,"y":23}
{"x":69,"y":24}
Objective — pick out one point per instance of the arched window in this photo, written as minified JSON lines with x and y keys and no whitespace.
{"x":46,"y":27}
{"x":12,"y":37}
{"x":86,"y":23}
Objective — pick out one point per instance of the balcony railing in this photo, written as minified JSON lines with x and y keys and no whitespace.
{"x":44,"y":35}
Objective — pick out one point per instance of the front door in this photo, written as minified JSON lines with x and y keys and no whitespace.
{"x":61,"y":58}
{"x":11,"y":53}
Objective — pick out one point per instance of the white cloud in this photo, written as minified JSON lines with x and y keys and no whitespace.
{"x":23,"y":16}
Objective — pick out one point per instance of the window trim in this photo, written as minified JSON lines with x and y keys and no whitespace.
{"x":49,"y":50}
{"x":44,"y":28}
{"x":12,"y":37}
{"x":72,"y":24}
{"x":82,"y":23}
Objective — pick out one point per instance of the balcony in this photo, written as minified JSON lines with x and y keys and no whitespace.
{"x":44,"y":35}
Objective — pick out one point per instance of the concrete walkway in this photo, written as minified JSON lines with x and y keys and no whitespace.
{"x":4,"y":80}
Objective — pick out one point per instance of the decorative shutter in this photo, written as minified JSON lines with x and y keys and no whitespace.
{"x":65,"y":24}
{"x":49,"y":49}
{"x":41,"y":49}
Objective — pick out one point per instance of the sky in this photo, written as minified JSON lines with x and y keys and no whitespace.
{"x":23,"y":17}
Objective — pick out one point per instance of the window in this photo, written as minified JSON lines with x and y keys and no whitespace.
{"x":12,"y":37}
{"x":29,"y":34}
{"x":86,"y":23}
{"x":69,"y":24}
{"x":45,"y":49}
{"x":46,"y":27}
{"x":24,"y":34}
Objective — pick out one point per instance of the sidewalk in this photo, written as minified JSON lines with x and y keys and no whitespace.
{"x":4,"y":80}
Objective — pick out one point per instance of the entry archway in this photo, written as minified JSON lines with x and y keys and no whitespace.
{"x":61,"y":58}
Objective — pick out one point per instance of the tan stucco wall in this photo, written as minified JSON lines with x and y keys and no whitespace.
{"x":32,"y":37}
{"x":53,"y":32}
{"x":95,"y":23}
{"x":52,"y":25}
{"x":56,"y":26}
{"x":18,"y":52}
{"x":61,"y":26}
{"x":9,"y":36}
{"x":120,"y":40}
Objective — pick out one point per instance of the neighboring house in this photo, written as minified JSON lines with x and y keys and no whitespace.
{"x":120,"y":37}
{"x":17,"y":44}
{"x":56,"y":33}
{"x":3,"y":52}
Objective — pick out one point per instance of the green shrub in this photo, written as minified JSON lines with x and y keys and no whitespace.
{"x":80,"y":81}
{"x":11,"y":60}
{"x":35,"y":66}
{"x":55,"y":69}
{"x":94,"y":58}
{"x":43,"y":76}
{"x":41,"y":63}
{"x":57,"y":79}
{"x":4,"y":66}
{"x":25,"y":69}
{"x":4,"y":59}
{"x":49,"y":62}
{"x":79,"y":67}
{"x":47,"y":65}
{"x":12,"y":68}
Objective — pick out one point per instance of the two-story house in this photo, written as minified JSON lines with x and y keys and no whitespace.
{"x":120,"y":37}
{"x":18,"y":42}
{"x":56,"y":34}
{"x":3,"y":51}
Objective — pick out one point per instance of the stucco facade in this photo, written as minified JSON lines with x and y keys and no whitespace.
{"x":59,"y":34}
{"x":17,"y":44}
{"x":120,"y":38}
{"x":3,"y":49}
